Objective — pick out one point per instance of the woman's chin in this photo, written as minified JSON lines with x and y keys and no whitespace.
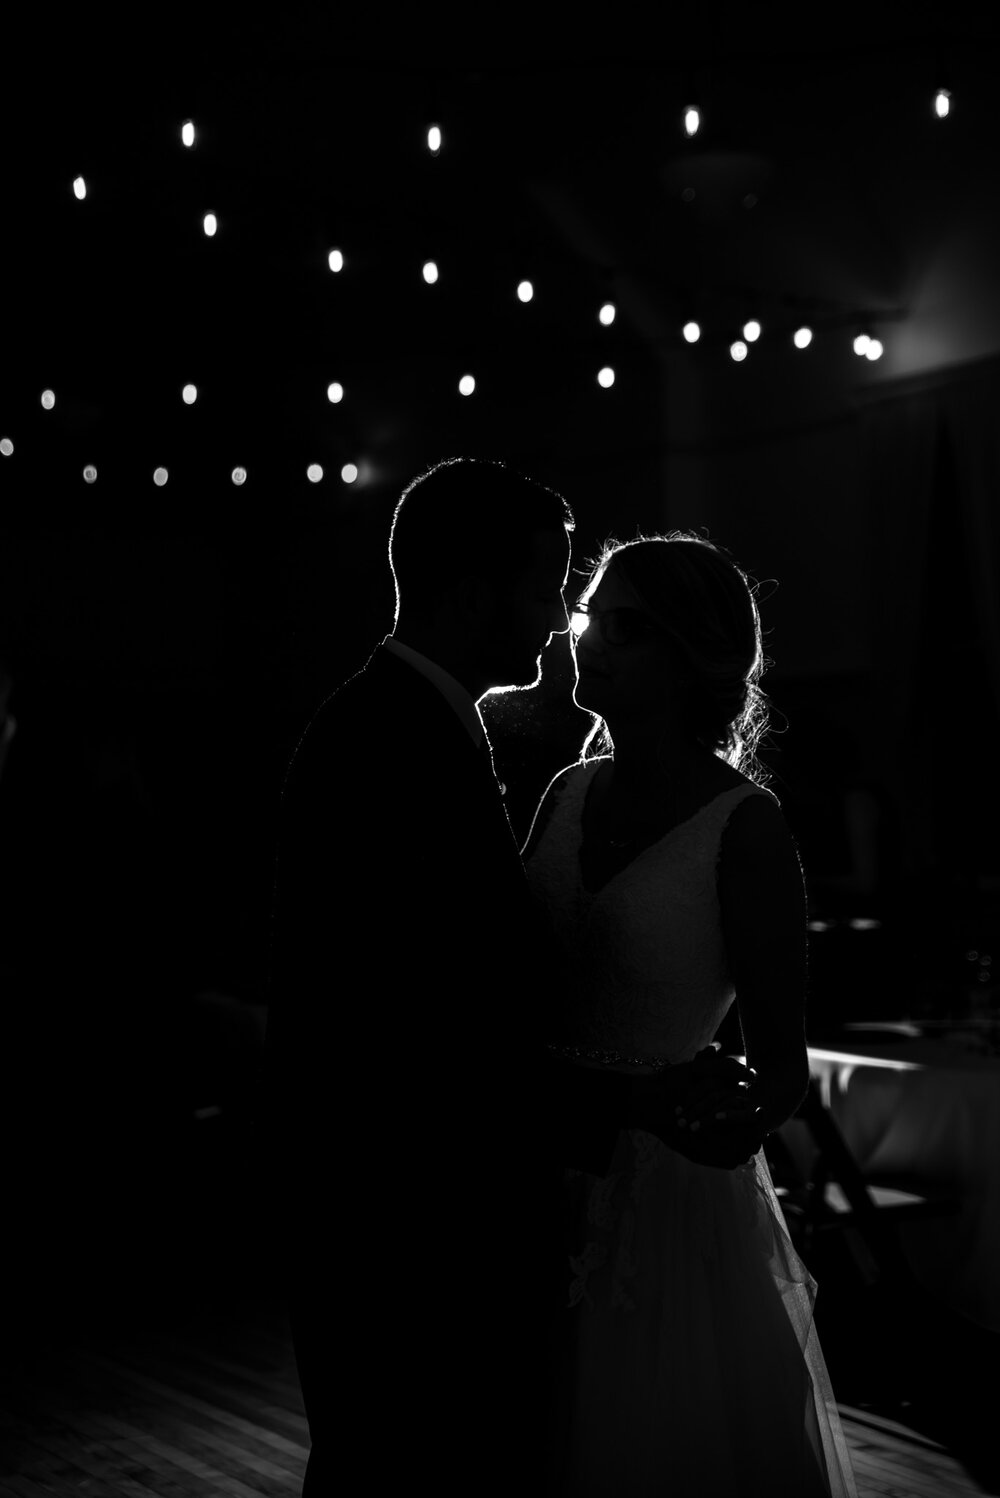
{"x":587,"y":693}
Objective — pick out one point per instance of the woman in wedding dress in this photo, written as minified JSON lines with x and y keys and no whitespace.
{"x":692,"y":1367}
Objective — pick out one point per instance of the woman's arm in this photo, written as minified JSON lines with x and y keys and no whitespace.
{"x":763,"y":906}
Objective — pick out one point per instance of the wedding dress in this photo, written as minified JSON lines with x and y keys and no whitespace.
{"x":693,"y":1367}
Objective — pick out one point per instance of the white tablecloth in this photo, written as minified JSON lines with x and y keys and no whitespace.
{"x":928,"y":1110}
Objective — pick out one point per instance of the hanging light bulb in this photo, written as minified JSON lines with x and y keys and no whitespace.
{"x":314,"y":473}
{"x":434,"y":139}
{"x":189,"y":394}
{"x":187,"y":133}
{"x":606,"y":377}
{"x":525,"y":291}
{"x":349,"y":473}
{"x":239,"y":476}
{"x":606,"y":316}
{"x":466,"y":385}
{"x":692,"y":120}
{"x":691,"y":331}
{"x":6,"y":447}
{"x":430,"y":272}
{"x":751,"y":330}
{"x":90,"y":474}
{"x":335,"y":392}
{"x":210,"y":224}
{"x":738,"y":350}
{"x":802,"y":337}
{"x":335,"y":260}
{"x":79,"y":188}
{"x":861,"y":343}
{"x":942,"y":103}
{"x":874,"y":349}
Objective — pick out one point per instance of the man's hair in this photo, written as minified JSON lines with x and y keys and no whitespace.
{"x":467,"y":517}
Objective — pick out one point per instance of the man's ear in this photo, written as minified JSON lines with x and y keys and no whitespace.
{"x":475,"y":600}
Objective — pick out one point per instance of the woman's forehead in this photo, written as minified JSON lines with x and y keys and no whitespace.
{"x":612,"y":591}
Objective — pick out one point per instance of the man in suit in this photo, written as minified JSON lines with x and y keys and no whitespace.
{"x":421,"y":1126}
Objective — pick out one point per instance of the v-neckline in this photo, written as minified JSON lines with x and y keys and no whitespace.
{"x":650,"y":847}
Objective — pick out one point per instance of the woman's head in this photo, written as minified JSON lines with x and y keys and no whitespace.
{"x":683,"y":637}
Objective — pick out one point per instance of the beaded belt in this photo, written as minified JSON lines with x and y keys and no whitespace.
{"x":608,"y":1058}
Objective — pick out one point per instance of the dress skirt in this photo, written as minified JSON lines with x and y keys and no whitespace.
{"x":691,"y":1367}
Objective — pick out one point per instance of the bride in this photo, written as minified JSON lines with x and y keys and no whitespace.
{"x":690,"y":1361}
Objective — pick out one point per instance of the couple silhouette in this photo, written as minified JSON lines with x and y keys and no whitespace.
{"x":530,"y":1242}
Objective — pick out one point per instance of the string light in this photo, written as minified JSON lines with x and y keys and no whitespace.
{"x":738,"y":350}
{"x":79,"y":188}
{"x":335,"y":392}
{"x":606,"y":377}
{"x":239,"y":476}
{"x":861,"y":343}
{"x":691,"y":331}
{"x":430,"y":272}
{"x":187,"y":133}
{"x":466,"y":385}
{"x":48,"y":399}
{"x":160,"y":476}
{"x":189,"y":394}
{"x":751,"y":330}
{"x":692,"y":121}
{"x":802,"y":337}
{"x":210,"y":224}
{"x":335,"y":260}
{"x":314,"y":473}
{"x":349,"y":473}
{"x":874,"y":349}
{"x":525,"y":291}
{"x":6,"y":447}
{"x":607,"y":314}
{"x":434,"y":139}
{"x":90,"y":474}
{"x":942,"y":103}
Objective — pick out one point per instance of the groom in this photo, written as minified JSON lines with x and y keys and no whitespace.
{"x":420,"y":1126}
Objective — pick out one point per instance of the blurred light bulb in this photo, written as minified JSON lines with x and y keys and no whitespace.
{"x":79,"y":188}
{"x":335,"y":260}
{"x":942,"y":103}
{"x":874,"y":349}
{"x":802,"y":337}
{"x":751,"y":330}
{"x":607,"y":314}
{"x":861,"y":344}
{"x":335,"y":392}
{"x":314,"y":473}
{"x":349,"y":473}
{"x":48,"y":399}
{"x":434,"y":139}
{"x":525,"y":291}
{"x":6,"y":447}
{"x":466,"y":385}
{"x":211,"y":224}
{"x":189,"y":394}
{"x":691,"y":331}
{"x":187,"y":132}
{"x":430,"y":272}
{"x":606,"y":377}
{"x":239,"y":476}
{"x":692,"y":120}
{"x":738,"y":350}
{"x":90,"y":474}
{"x":160,"y":476}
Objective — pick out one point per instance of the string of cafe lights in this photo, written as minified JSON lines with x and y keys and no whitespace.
{"x":866,"y":343}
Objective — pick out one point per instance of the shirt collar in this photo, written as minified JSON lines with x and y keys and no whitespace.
{"x":453,"y":691}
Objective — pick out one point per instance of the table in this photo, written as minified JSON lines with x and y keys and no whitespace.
{"x":925,"y":1110}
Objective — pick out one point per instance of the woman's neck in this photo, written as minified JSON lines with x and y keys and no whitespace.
{"x":652,"y":761}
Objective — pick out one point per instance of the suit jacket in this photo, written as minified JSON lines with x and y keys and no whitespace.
{"x":420,"y":1126}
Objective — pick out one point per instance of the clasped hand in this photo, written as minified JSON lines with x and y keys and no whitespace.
{"x":703,"y":1109}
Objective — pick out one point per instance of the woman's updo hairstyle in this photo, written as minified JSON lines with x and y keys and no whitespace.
{"x":694,"y":591}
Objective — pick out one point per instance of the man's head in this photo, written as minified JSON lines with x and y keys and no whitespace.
{"x":480,"y":554}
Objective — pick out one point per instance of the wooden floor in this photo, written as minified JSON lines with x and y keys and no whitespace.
{"x":209,"y":1405}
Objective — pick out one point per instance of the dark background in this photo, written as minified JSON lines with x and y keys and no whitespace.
{"x":167,"y":644}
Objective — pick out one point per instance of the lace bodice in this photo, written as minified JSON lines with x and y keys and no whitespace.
{"x":648,"y":974}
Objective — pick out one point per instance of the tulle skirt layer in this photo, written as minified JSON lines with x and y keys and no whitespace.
{"x":692,"y":1366}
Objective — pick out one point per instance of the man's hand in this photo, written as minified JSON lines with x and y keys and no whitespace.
{"x":701,"y":1109}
